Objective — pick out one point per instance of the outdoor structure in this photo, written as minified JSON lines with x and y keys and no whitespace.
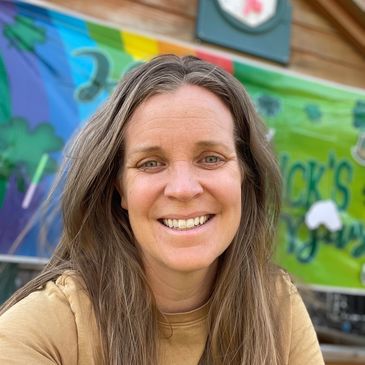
{"x":318,"y":46}
{"x":323,"y":170}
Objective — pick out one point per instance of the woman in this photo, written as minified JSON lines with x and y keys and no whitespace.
{"x":170,"y":204}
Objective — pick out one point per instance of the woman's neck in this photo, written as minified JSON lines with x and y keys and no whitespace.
{"x":181,"y":292}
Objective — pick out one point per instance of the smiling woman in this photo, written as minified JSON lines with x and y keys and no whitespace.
{"x":170,"y":206}
{"x":193,"y":175}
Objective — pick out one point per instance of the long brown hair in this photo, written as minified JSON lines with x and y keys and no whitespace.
{"x":98,"y":243}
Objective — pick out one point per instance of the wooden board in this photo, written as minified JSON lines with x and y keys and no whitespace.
{"x":318,"y":48}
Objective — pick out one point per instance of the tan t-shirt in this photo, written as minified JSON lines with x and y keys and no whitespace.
{"x":57,"y":326}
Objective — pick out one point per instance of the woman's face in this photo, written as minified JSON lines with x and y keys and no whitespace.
{"x":181,"y":181}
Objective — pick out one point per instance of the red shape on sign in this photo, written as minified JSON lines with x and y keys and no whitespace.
{"x":252,"y":6}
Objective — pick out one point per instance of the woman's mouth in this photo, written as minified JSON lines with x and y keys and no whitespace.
{"x":185,"y":224}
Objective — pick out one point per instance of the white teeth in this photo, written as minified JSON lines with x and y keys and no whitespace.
{"x":190,"y":223}
{"x":182,"y":224}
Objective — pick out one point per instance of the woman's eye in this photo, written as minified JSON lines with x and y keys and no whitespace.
{"x":212,"y":160}
{"x":150,"y":165}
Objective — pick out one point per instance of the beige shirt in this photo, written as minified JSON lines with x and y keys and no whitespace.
{"x":57,"y":326}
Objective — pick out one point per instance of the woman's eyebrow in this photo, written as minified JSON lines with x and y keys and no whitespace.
{"x":145,"y":149}
{"x":201,"y":144}
{"x":213,"y":144}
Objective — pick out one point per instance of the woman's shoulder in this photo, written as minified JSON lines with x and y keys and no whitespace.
{"x":284,"y":284}
{"x":71,"y":285}
{"x":298,"y":334}
{"x":56,"y":323}
{"x":68,"y":291}
{"x":63,"y":291}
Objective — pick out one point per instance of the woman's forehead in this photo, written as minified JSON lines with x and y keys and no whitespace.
{"x":189,"y":111}
{"x":187,"y":100}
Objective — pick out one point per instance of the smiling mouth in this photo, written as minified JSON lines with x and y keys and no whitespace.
{"x":185,"y":224}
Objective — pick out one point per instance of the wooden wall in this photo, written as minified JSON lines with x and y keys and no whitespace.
{"x":317,"y":47}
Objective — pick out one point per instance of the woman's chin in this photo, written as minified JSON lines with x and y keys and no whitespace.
{"x":189,"y":262}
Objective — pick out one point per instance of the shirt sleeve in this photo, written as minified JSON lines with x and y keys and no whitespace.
{"x":39,"y":330}
{"x":304,"y":346}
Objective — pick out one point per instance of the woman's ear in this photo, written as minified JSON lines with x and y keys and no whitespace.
{"x":123,"y":201}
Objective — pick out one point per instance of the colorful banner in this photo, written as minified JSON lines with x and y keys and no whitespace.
{"x":56,"y":69}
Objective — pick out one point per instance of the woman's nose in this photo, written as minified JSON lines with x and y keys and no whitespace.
{"x":183,"y":183}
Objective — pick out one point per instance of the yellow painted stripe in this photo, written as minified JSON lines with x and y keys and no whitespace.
{"x":168,"y":47}
{"x":140,"y":47}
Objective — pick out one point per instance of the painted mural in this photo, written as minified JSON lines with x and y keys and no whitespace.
{"x":55,"y":70}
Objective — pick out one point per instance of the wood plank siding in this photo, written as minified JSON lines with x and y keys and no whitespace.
{"x":318,"y":48}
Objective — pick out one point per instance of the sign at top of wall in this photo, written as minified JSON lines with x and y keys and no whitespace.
{"x":259,"y":27}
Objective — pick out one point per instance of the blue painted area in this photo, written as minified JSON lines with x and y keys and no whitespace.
{"x":55,"y":73}
{"x":28,"y":95}
{"x":74,"y":35}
